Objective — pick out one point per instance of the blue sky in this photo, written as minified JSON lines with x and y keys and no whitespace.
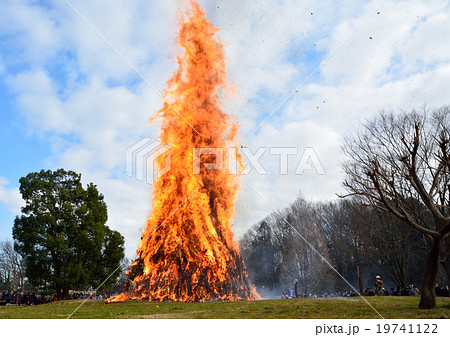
{"x":68,"y":100}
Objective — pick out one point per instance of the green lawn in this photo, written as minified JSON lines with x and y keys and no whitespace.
{"x":389,"y":307}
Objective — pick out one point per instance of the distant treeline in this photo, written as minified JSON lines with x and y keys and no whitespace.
{"x":292,"y":244}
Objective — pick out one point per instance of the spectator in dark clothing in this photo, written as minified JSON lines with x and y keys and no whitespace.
{"x":441,"y":291}
{"x":369,"y":292}
{"x":410,"y":291}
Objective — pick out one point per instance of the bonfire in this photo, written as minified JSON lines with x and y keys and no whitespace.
{"x":187,"y":251}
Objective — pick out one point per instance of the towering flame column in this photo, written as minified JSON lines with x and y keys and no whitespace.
{"x":187,"y":251}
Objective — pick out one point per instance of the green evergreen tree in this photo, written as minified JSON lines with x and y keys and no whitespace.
{"x":62,"y":233}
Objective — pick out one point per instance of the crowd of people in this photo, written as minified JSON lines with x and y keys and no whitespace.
{"x":377,"y":290}
{"x":88,"y":295}
{"x":8,"y":297}
{"x":442,"y":291}
{"x":399,"y":291}
{"x":21,"y":298}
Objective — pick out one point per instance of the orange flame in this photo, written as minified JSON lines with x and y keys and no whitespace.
{"x":187,"y":251}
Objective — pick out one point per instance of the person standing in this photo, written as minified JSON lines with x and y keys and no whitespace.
{"x":378,"y":286}
{"x":296,"y":288}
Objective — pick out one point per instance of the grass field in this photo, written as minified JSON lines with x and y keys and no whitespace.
{"x":388,"y":307}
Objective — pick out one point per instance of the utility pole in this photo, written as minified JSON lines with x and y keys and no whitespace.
{"x":361,"y":288}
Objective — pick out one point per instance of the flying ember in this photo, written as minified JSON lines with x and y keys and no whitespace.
{"x":187,"y":251}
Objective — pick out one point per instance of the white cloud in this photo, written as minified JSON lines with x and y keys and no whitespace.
{"x":77,"y":91}
{"x":37,"y":98}
{"x":30,"y":29}
{"x":390,"y":69}
{"x":10,"y":196}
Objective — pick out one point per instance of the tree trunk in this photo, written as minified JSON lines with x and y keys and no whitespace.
{"x":65,"y":294}
{"x":428,"y":296}
{"x":445,"y":260}
{"x":447,"y":271}
{"x":58,"y":293}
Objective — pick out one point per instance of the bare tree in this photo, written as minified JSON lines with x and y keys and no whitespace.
{"x":298,"y":238}
{"x":396,"y":249}
{"x":12,"y":266}
{"x":284,"y":247}
{"x":395,"y":160}
{"x":343,"y":241}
